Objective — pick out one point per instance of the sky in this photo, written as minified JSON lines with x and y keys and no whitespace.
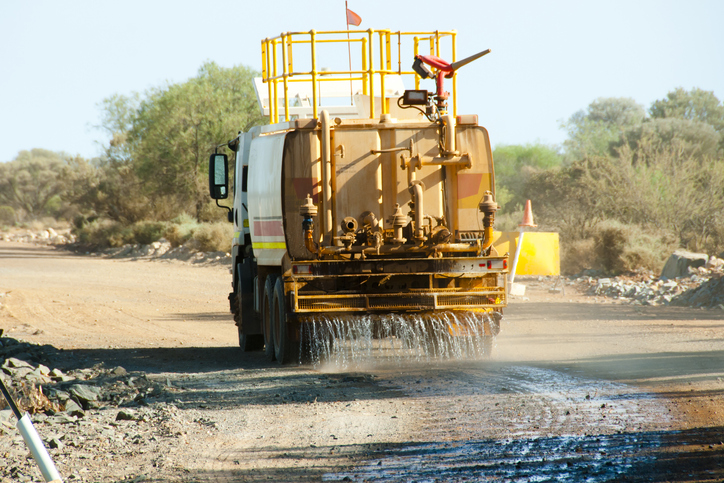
{"x":60,"y":59}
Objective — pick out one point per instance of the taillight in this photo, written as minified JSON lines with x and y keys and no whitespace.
{"x":505,"y":264}
{"x":302,"y":269}
{"x":490,"y":264}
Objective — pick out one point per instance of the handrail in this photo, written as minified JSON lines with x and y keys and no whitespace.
{"x":295,"y":67}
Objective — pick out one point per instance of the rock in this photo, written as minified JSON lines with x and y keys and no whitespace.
{"x":126,"y":415}
{"x":16,"y":363}
{"x":85,"y":393}
{"x":20,"y":373}
{"x":37,"y":377}
{"x":119,"y":371}
{"x":714,"y":263}
{"x":679,"y":263}
{"x":55,"y":443}
{"x":73,"y":409}
{"x":6,"y":415}
{"x":62,"y":418}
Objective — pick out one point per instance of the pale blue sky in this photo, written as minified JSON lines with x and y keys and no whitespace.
{"x":59,"y":59}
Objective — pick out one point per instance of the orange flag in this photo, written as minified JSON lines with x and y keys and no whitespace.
{"x":353,"y":18}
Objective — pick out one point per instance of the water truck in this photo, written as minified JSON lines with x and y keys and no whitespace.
{"x":361,"y":197}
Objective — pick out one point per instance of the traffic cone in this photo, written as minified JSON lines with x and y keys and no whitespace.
{"x":528,"y":215}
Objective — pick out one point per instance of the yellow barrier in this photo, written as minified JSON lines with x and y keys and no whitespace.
{"x":539,"y":254}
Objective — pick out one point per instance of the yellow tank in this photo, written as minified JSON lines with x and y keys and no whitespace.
{"x":360,"y":196}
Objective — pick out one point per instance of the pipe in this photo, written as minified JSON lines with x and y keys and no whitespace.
{"x":37,"y":449}
{"x":450,"y":147}
{"x":517,"y":254}
{"x":416,"y":189}
{"x":309,"y":241}
{"x":488,"y":207}
{"x":443,"y":248}
{"x":328,"y":224}
{"x":32,"y":439}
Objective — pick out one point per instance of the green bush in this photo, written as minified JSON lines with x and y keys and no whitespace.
{"x":180,"y":230}
{"x":147,"y":232}
{"x":7,"y":215}
{"x":577,"y":256}
{"x":213,"y":237}
{"x":103,"y":234}
{"x":620,"y":248}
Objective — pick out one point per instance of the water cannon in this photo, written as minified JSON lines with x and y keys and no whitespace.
{"x":444,"y":69}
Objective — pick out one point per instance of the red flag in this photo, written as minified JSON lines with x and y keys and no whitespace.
{"x":353,"y":18}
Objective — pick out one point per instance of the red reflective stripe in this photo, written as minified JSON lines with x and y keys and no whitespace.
{"x":268,"y":228}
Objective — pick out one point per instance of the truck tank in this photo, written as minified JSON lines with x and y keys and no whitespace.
{"x":360,"y":196}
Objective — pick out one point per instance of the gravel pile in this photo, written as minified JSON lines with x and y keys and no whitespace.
{"x":85,"y":414}
{"x":702,"y":286}
{"x":45,"y":237}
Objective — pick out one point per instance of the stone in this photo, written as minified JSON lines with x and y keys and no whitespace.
{"x":119,"y":371}
{"x":55,"y":443}
{"x":679,"y":263}
{"x":16,"y":363}
{"x":21,"y":373}
{"x":85,"y":393}
{"x":62,"y":418}
{"x":6,"y":415}
{"x":126,"y":415}
{"x":36,"y":377}
{"x":73,"y":409}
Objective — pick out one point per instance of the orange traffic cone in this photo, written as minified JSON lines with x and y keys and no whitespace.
{"x":528,"y":215}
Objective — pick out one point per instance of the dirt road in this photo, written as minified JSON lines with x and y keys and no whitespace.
{"x":576,"y":390}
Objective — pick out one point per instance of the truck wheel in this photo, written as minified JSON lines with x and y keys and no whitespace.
{"x":248,"y":343}
{"x":286,"y":345}
{"x":251,"y":343}
{"x":267,"y":315}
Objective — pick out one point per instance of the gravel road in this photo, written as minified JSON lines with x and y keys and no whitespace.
{"x":577,"y":389}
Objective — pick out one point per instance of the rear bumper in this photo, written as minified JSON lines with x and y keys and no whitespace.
{"x":431,"y":284}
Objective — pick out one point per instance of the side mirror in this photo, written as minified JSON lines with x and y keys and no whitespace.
{"x":219,"y":176}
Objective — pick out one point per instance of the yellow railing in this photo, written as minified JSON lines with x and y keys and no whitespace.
{"x":279,"y":75}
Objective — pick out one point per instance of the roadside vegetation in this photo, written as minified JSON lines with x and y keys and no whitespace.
{"x":627,"y":187}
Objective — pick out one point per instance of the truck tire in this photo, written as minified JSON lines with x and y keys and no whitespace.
{"x":267,"y":314}
{"x":247,"y":342}
{"x":284,"y":330}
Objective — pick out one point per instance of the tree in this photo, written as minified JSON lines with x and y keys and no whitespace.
{"x":695,"y":105}
{"x":30,"y":181}
{"x":592,"y":131}
{"x":515,"y":164}
{"x":694,"y":138}
{"x":167,"y":139}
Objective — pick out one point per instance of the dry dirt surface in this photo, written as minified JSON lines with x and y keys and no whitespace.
{"x":576,"y":389}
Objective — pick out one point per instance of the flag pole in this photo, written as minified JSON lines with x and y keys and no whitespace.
{"x":349,"y":54}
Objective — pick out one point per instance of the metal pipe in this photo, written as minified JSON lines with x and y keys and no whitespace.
{"x":32,"y":439}
{"x":328,"y":222}
{"x":37,"y":449}
{"x":450,"y":145}
{"x":313,"y":38}
{"x":442,"y":248}
{"x":285,"y":74}
{"x":371,"y":72}
{"x":517,"y":255}
{"x":417,"y":195}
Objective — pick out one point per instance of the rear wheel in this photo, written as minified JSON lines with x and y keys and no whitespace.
{"x":247,"y":342}
{"x":251,"y":343}
{"x":285,"y":329}
{"x":267,"y":316}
